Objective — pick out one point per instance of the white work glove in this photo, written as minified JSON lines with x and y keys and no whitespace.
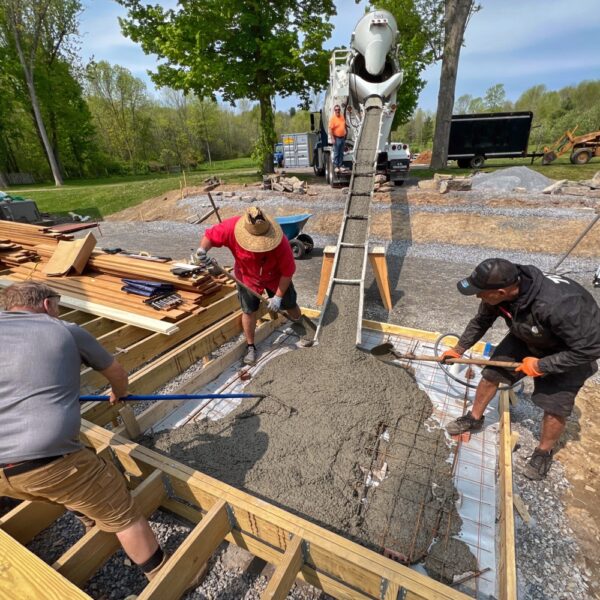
{"x":274,"y":303}
{"x":200,"y":258}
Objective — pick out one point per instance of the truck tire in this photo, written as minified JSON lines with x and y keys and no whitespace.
{"x":581,"y":156}
{"x":477,"y":162}
{"x":317,"y":168}
{"x":399,"y":182}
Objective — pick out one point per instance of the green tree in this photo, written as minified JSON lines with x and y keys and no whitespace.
{"x":119,"y":101}
{"x":237,"y":49}
{"x":25,"y":25}
{"x":447,"y":35}
{"x":495,"y":97}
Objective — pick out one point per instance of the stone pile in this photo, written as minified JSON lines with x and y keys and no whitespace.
{"x":280,"y":183}
{"x":446,"y":183}
{"x":588,"y":187}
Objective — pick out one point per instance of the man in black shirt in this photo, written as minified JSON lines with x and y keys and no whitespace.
{"x":554,"y":331}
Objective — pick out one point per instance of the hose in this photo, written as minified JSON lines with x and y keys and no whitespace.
{"x":437,"y":353}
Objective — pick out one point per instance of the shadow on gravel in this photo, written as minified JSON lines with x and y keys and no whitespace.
{"x":400,"y":231}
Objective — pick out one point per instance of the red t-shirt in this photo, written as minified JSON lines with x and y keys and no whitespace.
{"x":257,"y":270}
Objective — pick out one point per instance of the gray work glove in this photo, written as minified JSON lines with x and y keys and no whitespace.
{"x":200,"y":258}
{"x":274,"y":303}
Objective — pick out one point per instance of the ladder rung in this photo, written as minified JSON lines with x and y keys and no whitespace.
{"x":347,"y":281}
{"x":348,"y":245}
{"x":357,"y":217}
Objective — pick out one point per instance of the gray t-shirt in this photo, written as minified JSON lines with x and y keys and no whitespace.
{"x":40,"y":361}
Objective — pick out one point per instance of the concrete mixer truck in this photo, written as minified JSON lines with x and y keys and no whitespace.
{"x":368,"y":68}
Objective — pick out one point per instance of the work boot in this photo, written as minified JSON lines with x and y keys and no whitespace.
{"x":539,"y":464}
{"x":465,"y":423}
{"x":250,"y":357}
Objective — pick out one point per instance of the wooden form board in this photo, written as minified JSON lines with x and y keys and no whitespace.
{"x":340,"y":567}
{"x":102,"y":310}
{"x":506,"y":563}
{"x":24,"y":576}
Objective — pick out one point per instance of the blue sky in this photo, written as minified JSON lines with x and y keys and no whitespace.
{"x":519,"y":43}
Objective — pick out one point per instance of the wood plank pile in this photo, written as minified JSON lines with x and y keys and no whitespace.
{"x":25,"y":249}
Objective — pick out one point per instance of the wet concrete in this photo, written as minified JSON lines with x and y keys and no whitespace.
{"x":341,"y":438}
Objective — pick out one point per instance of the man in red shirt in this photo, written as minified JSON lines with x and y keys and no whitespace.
{"x":263,"y":261}
{"x":337,"y":136}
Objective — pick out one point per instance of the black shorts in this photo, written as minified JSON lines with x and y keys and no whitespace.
{"x":554,"y":393}
{"x":250,"y":303}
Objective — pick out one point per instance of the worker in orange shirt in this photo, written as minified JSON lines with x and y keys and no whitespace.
{"x":337,"y":136}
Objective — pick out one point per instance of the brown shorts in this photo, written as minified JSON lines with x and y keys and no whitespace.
{"x":81,"y":482}
{"x":554,"y":393}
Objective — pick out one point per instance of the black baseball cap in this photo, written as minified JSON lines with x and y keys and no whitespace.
{"x":491,"y":274}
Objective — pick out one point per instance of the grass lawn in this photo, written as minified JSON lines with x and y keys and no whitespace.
{"x":101,"y":197}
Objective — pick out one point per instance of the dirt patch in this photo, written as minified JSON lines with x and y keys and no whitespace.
{"x":581,"y":459}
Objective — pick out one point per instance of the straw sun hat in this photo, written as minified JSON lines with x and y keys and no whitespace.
{"x":256,"y":231}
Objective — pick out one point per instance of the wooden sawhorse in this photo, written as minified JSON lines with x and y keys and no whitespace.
{"x":378,"y":264}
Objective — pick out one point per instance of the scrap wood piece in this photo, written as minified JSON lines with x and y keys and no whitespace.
{"x":70,"y":255}
{"x":521,"y":508}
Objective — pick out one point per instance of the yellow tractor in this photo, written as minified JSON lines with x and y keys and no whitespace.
{"x":583,"y":147}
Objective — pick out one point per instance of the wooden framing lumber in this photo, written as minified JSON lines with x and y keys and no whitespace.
{"x":112,"y":313}
{"x":23,"y":575}
{"x":421,"y":334}
{"x":507,"y":563}
{"x":186,"y":562}
{"x":28,"y":519}
{"x":88,"y":554}
{"x":286,"y":572}
{"x":356,"y":572}
{"x":144,"y":347}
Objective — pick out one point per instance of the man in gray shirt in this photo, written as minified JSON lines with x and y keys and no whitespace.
{"x":41,"y":457}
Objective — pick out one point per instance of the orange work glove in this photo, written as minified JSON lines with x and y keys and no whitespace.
{"x":530,"y":366}
{"x":452,"y":353}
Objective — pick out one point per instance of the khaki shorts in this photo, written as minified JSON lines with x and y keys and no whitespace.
{"x":81,"y":482}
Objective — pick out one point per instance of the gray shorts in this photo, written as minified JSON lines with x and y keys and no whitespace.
{"x":250,"y":303}
{"x":553,"y":393}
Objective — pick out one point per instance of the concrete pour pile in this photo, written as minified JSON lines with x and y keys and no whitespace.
{"x":335,"y":420}
{"x":506,"y":180}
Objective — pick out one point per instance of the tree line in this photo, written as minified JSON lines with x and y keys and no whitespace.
{"x":554,"y":112}
{"x":221,"y":64}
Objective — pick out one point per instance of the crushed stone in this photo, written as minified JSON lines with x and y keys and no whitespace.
{"x":506,"y":180}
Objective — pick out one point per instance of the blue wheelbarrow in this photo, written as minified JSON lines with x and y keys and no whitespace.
{"x":301,"y":243}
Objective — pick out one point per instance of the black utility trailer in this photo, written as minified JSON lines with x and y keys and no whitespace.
{"x":473,"y":138}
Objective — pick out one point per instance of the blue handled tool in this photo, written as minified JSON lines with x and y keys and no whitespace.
{"x":172,"y":397}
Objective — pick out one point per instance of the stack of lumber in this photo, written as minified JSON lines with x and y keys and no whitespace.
{"x":29,"y":248}
{"x":13,"y":254}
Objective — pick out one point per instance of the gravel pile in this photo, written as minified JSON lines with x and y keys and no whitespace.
{"x":506,"y":180}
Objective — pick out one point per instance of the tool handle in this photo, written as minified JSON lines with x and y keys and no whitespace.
{"x":460,"y":361}
{"x":172,"y":397}
{"x":233,"y":278}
